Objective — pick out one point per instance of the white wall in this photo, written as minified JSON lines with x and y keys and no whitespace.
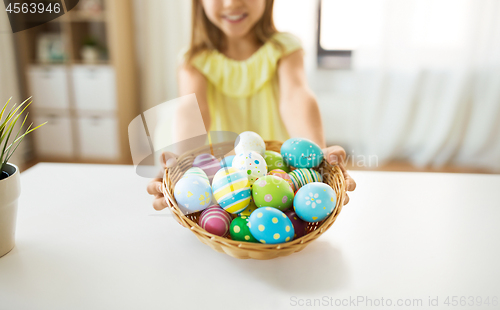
{"x":8,"y":75}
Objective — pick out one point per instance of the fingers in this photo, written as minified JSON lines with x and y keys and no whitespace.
{"x":155,"y":187}
{"x":346,"y":199}
{"x":335,"y":154}
{"x":160,"y":203}
{"x":350,"y":183}
{"x":168,"y":159}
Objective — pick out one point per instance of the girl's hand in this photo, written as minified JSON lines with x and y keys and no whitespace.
{"x":335,"y":155}
{"x":154,"y":188}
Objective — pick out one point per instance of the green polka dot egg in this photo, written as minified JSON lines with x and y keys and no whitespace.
{"x":240,"y":231}
{"x":272,"y":191}
{"x":274,"y":160}
{"x":252,"y":164}
{"x":270,"y":226}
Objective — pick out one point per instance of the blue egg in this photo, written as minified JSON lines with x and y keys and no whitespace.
{"x":270,"y":225}
{"x":227,"y":161}
{"x":301,"y":153}
{"x":193,"y":193}
{"x":314,"y":202}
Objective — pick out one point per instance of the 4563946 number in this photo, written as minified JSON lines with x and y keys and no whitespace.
{"x":471,"y":301}
{"x":34,"y":8}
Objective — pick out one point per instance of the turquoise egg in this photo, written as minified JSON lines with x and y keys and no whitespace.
{"x":314,"y":202}
{"x":227,"y":161}
{"x":301,"y":153}
{"x":271,"y":226}
{"x":193,"y":193}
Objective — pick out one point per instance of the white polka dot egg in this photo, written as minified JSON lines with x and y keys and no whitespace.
{"x":252,"y":164}
{"x":271,"y":226}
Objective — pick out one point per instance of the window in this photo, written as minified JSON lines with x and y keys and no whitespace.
{"x":344,"y":26}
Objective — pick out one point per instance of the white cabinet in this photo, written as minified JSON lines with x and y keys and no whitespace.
{"x":49,"y":86}
{"x":55,"y":138}
{"x":94,"y":87}
{"x":98,"y":137}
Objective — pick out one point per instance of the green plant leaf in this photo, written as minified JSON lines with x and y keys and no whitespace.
{"x":7,"y":128}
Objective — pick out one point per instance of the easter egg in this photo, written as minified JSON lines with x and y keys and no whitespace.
{"x":270,"y":225}
{"x":252,"y":164}
{"x":299,"y":225}
{"x":314,"y":202}
{"x":193,"y":193}
{"x":272,"y":191}
{"x":227,"y":161}
{"x":301,"y":153}
{"x":248,"y":210}
{"x":274,"y":160}
{"x":215,"y":220}
{"x":208,"y":163}
{"x":249,"y":141}
{"x":303,"y":176}
{"x":282,"y":174}
{"x":196,"y":172}
{"x":239,"y":230}
{"x":231,"y":189}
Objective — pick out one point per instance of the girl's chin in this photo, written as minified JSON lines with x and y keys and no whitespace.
{"x":237,"y":33}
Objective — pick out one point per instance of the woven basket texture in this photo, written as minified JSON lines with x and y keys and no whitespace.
{"x":332,"y":175}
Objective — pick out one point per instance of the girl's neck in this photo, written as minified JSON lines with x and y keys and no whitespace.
{"x":241,"y":48}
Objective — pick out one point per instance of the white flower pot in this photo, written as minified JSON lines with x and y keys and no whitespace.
{"x":10,"y":189}
{"x":90,"y":54}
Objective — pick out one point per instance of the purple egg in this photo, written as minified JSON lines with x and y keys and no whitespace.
{"x":208,"y":163}
{"x":299,"y":225}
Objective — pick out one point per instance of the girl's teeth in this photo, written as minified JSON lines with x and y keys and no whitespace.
{"x":234,"y":17}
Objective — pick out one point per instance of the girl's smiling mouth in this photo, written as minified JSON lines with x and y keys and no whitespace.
{"x":234,"y":18}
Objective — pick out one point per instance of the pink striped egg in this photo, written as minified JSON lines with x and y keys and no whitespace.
{"x":208,"y":163}
{"x":215,"y":220}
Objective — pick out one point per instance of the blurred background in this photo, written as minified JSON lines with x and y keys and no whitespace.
{"x":409,"y":85}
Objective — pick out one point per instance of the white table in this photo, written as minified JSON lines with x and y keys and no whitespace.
{"x":88,"y":238}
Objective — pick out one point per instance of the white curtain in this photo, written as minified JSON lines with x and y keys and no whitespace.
{"x":425,"y":81}
{"x":8,"y":73}
{"x":434,"y":102}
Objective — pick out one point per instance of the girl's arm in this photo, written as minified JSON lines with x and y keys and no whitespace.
{"x":191,"y":81}
{"x":188,"y":122}
{"x":298,"y":106}
{"x":300,"y":112}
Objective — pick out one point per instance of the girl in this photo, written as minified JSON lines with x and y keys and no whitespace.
{"x":247,"y":76}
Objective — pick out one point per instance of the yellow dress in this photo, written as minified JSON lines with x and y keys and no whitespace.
{"x":244,"y":95}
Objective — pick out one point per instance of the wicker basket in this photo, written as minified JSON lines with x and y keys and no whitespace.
{"x":332,"y":175}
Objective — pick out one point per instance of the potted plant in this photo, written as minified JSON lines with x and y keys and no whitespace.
{"x":10,"y":139}
{"x":90,"y":50}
